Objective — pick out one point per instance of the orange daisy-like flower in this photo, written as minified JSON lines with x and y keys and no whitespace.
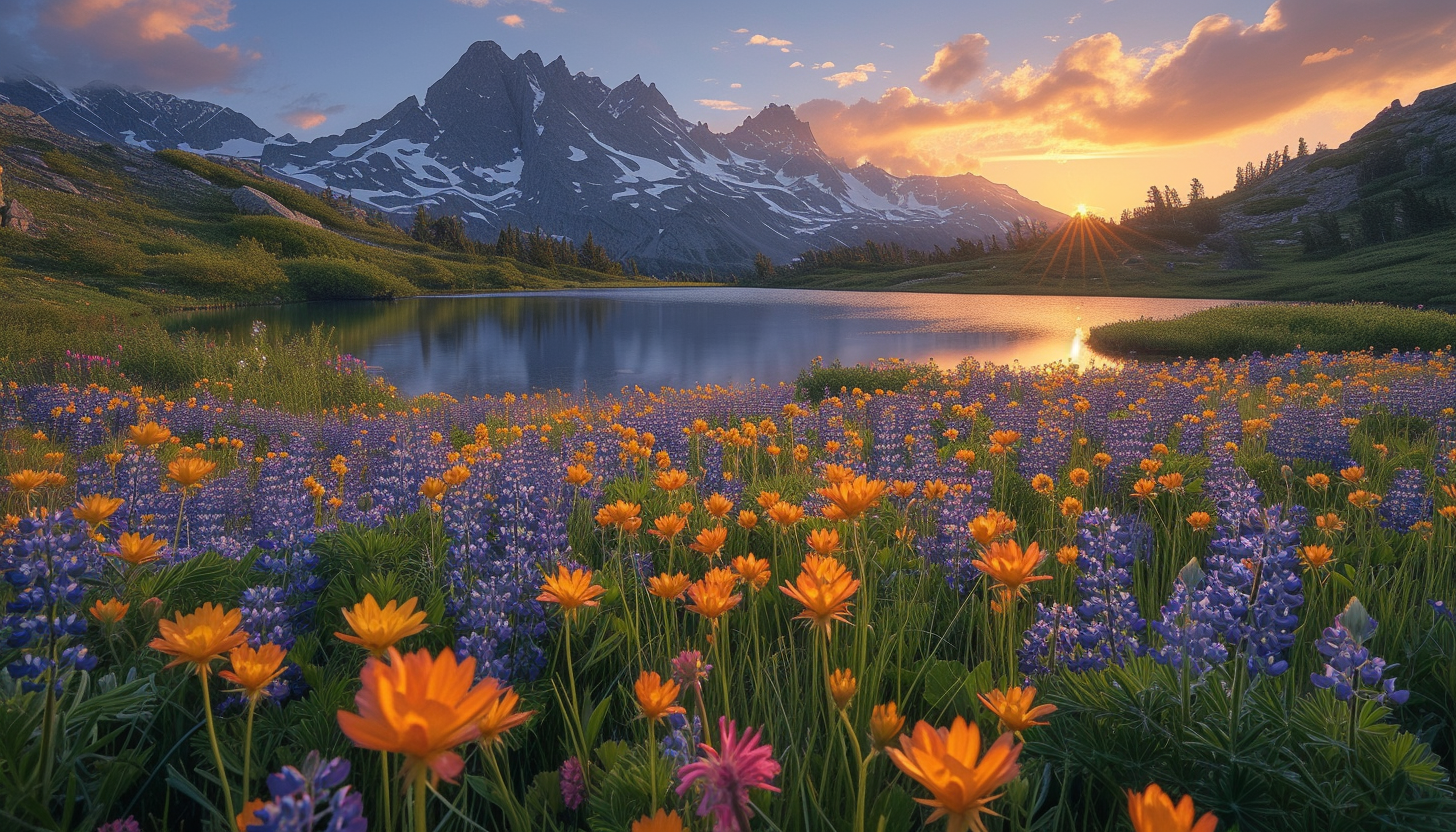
{"x":935,"y":490}
{"x":619,"y":514}
{"x":1150,"y":466}
{"x":1172,"y":482}
{"x":1199,"y":520}
{"x":785,"y":514}
{"x":188,"y":471}
{"x":747,"y":519}
{"x":1067,"y":555}
{"x":668,"y":526}
{"x":1011,"y":566}
{"x":1318,"y":482}
{"x":671,"y":479}
{"x":109,"y":612}
{"x":663,"y":821}
{"x":836,"y":474}
{"x":137,"y":550}
{"x":709,"y":542}
{"x":670,"y":587}
{"x":577,"y":475}
{"x":1144,"y":489}
{"x":96,"y":509}
{"x":752,"y":570}
{"x":1013,"y":707}
{"x":718,"y":506}
{"x":1364,"y":499}
{"x":455,"y":475}
{"x":499,"y":714}
{"x":948,"y":763}
{"x":713,"y":595}
{"x":655,"y":697}
{"x":842,"y":686}
{"x":148,"y":434}
{"x":886,"y":723}
{"x":824,"y":588}
{"x":1101,"y":460}
{"x":766,"y":499}
{"x":25,"y":480}
{"x":433,"y":488}
{"x":904,"y":489}
{"x":570,"y":589}
{"x":1353,"y":474}
{"x":1079,"y":477}
{"x":1043,"y":485}
{"x":1005,"y":438}
{"x":990,"y":526}
{"x":1329,"y":524}
{"x":853,"y":498}
{"x":200,"y":638}
{"x":1153,"y":811}
{"x":824,"y":542}
{"x":1070,"y":507}
{"x":421,"y":706}
{"x":379,"y":628}
{"x":1317,"y":556}
{"x":253,"y":670}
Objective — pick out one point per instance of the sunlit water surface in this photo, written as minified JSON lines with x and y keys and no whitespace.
{"x":681,"y":337}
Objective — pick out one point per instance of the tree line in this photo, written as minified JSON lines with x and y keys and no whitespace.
{"x":536,"y":247}
{"x":1023,"y":234}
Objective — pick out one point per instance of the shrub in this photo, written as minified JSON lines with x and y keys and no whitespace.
{"x":326,"y":278}
{"x":286,"y":238}
{"x":247,"y":269}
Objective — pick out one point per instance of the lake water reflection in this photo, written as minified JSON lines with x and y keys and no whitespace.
{"x":680,"y":337}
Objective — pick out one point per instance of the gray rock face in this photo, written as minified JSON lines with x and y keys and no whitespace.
{"x":16,"y":217}
{"x":501,"y":141}
{"x":253,"y":201}
{"x":144,"y":120}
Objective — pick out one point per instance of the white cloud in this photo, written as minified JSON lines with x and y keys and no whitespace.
{"x":796,"y":64}
{"x":764,"y":40}
{"x":740,"y":31}
{"x":1074,"y":18}
{"x":476,"y":3}
{"x":720,"y":104}
{"x":735,"y":86}
{"x":887,"y":45}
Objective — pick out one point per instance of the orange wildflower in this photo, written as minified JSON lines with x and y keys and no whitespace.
{"x":824,"y":588}
{"x":718,"y":506}
{"x":709,"y":542}
{"x":379,"y":628}
{"x":1364,"y":499}
{"x":25,"y":480}
{"x":1353,"y":474}
{"x":855,"y":496}
{"x":433,"y":488}
{"x":137,"y":550}
{"x":1199,"y":520}
{"x":1043,"y":485}
{"x":1067,"y":555}
{"x":670,"y":587}
{"x":1329,"y":523}
{"x":766,"y":499}
{"x":842,"y":686}
{"x":1153,"y":811}
{"x":948,"y":763}
{"x":252,"y":670}
{"x":752,"y":570}
{"x":1013,"y":707}
{"x":1319,"y":482}
{"x":885,"y":725}
{"x":904,"y":489}
{"x":1005,"y":437}
{"x":671,"y":479}
{"x":668,"y":526}
{"x":935,"y":490}
{"x":836,"y":474}
{"x":663,"y":821}
{"x":1071,"y":507}
{"x":188,"y":471}
{"x":420,"y":706}
{"x":747,"y":519}
{"x":1079,"y":477}
{"x":109,"y":612}
{"x":1143,"y":489}
{"x":456,"y":475}
{"x":824,"y":542}
{"x":499,"y":714}
{"x":201,"y":637}
{"x":713,"y":595}
{"x":655,"y":697}
{"x":1011,"y":566}
{"x":148,"y":434}
{"x":96,"y":509}
{"x":785,"y":514}
{"x":1101,"y":460}
{"x":620,"y":514}
{"x":571,"y":590}
{"x":1171,"y":482}
{"x":1317,"y":556}
{"x":577,"y":475}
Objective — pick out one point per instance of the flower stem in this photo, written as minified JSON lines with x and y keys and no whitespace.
{"x":420,"y":793}
{"x":227,"y":794}
{"x":384,"y":795}
{"x":248,"y":750}
{"x":652,"y":761}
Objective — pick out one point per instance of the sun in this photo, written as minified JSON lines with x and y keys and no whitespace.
{"x":1081,"y":209}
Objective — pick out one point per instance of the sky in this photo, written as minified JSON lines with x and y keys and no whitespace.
{"x":1071,"y":102}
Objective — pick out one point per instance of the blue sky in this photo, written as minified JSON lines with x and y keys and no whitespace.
{"x":1069,"y":101}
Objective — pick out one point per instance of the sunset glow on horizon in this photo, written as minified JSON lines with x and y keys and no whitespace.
{"x":1074,"y":103}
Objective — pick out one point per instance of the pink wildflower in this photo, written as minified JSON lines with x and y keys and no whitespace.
{"x":742,"y":763}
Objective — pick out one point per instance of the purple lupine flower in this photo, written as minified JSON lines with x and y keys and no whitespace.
{"x":1350,"y":670}
{"x":573,"y":784}
{"x":680,"y":744}
{"x":311,"y":798}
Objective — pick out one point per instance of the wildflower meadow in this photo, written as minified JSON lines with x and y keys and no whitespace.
{"x":1204,"y":595}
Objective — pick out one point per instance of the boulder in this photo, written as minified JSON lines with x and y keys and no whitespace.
{"x":17,"y":217}
{"x":253,"y":201}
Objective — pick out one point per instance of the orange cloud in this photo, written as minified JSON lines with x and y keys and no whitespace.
{"x":720,"y":104}
{"x":1227,"y":76}
{"x":147,"y":42}
{"x":515,"y":21}
{"x":957,"y":63}
{"x":305,"y":119}
{"x":762,"y":40}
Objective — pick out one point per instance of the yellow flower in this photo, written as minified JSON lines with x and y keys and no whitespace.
{"x":420,"y":706}
{"x":713,"y":595}
{"x":1014,"y":709}
{"x":948,"y":763}
{"x":253,"y":670}
{"x":201,"y":637}
{"x":663,"y":821}
{"x":137,"y":550}
{"x":378,"y":629}
{"x":752,"y":570}
{"x":188,"y":471}
{"x":842,"y":686}
{"x":655,"y":697}
{"x":570,"y":589}
{"x":853,"y":498}
{"x":109,"y":612}
{"x":670,"y":587}
{"x":148,"y":434}
{"x":1153,"y":811}
{"x":97,"y":508}
{"x":824,"y":588}
{"x":885,"y":725}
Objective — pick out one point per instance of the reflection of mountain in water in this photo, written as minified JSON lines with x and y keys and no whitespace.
{"x":679,"y":338}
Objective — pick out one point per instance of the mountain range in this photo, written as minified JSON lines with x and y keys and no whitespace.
{"x":511,"y":141}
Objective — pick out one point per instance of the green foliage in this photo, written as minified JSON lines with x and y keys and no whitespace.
{"x":1271,"y":329}
{"x":248,"y":270}
{"x":814,"y":380}
{"x":325,"y":278}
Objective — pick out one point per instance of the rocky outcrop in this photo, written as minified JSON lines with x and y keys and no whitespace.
{"x":253,"y":201}
{"x":17,"y":217}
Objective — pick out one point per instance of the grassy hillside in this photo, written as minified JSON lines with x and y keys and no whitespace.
{"x":127,"y":236}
